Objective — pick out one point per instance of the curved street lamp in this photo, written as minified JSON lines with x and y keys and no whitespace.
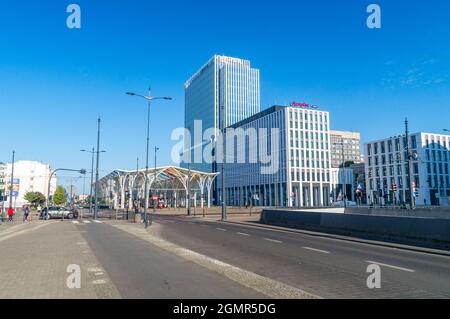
{"x":149,"y":99}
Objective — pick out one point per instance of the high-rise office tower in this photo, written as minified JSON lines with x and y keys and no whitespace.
{"x":225,"y":82}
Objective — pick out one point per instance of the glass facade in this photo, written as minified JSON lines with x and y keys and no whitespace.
{"x":222,"y":81}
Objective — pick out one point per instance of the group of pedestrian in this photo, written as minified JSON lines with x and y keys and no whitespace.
{"x":26,"y":214}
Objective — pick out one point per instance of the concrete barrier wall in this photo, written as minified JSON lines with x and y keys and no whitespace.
{"x":422,"y":231}
{"x":429,"y":212}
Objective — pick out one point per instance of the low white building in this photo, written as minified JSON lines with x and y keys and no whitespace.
{"x":29,"y":176}
{"x":387,"y":164}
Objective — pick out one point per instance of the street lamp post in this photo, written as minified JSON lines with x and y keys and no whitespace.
{"x":149,"y":99}
{"x":97,"y":169}
{"x":224,"y":197}
{"x":92,"y":176}
{"x":344,"y":177}
{"x":409,"y":158}
{"x":11,"y":186}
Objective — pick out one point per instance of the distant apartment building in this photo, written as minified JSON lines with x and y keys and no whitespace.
{"x":29,"y":176}
{"x":2,"y":181}
{"x":225,"y":82}
{"x":345,"y":147}
{"x":302,"y":175}
{"x":387,"y":165}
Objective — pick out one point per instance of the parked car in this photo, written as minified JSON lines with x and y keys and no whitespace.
{"x":58,"y":212}
{"x":341,"y":204}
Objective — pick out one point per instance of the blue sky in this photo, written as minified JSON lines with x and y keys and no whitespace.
{"x":55,"y":82}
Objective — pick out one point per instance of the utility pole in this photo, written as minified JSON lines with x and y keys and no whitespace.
{"x":409,"y":157}
{"x":97,"y":170}
{"x":11,"y":189}
{"x":224,"y":197}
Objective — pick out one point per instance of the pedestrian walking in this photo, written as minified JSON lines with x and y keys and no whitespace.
{"x":10,"y":214}
{"x":26,"y":213}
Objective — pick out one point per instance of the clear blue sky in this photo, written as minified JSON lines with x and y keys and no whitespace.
{"x":54,"y":81}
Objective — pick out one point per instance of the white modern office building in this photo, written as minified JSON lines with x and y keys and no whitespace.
{"x":297,"y":172}
{"x":387,"y":164}
{"x":29,"y":176}
{"x":225,"y":82}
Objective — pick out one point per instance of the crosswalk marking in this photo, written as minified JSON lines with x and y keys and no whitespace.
{"x":86,"y":221}
{"x":97,"y":221}
{"x":75,"y":222}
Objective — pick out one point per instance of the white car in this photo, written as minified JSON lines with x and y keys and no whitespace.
{"x":58,"y":212}
{"x":341,"y":204}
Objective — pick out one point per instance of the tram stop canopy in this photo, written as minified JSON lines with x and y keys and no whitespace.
{"x":123,"y":189}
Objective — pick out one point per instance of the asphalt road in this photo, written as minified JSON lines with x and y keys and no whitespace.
{"x":326,"y":267}
{"x":140,"y":270}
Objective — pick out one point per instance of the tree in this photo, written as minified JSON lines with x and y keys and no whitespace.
{"x":35,"y":198}
{"x":60,"y":196}
{"x":347,"y":164}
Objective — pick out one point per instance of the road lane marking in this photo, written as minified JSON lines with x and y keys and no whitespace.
{"x":86,"y":222}
{"x":273,"y":240}
{"x":317,"y":250}
{"x":95,"y":269}
{"x":171,"y":221}
{"x":221,"y":229}
{"x":97,"y":221}
{"x":267,"y":286}
{"x":244,"y":234}
{"x":390,"y":266}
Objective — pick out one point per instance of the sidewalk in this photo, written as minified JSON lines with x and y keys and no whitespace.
{"x":35,"y":257}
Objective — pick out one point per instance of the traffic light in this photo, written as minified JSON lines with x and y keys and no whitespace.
{"x":394,"y":188}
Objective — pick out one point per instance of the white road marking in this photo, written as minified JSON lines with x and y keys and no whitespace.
{"x":75,"y":222}
{"x":95,"y":269}
{"x":98,"y":222}
{"x":390,"y":266}
{"x":86,"y":222}
{"x":99,"y":282}
{"x":273,"y":240}
{"x":317,"y":250}
{"x":269,"y":287}
{"x":244,"y":234}
{"x":171,"y":221}
{"x":221,"y":229}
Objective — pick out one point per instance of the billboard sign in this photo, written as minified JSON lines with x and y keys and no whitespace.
{"x":304,"y":105}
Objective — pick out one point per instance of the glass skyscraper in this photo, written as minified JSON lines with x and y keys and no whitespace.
{"x":222,"y":81}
